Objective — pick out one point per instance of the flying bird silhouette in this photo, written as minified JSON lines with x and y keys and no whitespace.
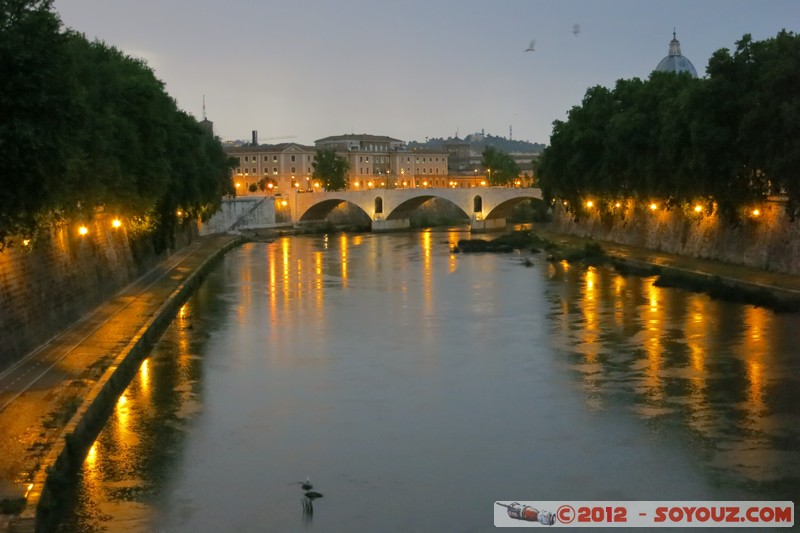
{"x":576,"y":29}
{"x":532,"y":45}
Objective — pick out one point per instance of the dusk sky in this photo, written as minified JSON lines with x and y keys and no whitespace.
{"x":301,"y":70}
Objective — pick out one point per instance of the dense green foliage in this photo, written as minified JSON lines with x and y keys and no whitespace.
{"x":84,"y":126}
{"x":729,"y":139}
{"x":501,"y":167}
{"x":330,"y":169}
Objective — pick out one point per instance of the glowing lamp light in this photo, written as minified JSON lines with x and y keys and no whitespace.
{"x":26,"y":242}
{"x":83,"y":230}
{"x":483,"y":184}
{"x":698,"y":209}
{"x":653,"y":207}
{"x":116,"y":223}
{"x":284,"y":202}
{"x":756,"y":212}
{"x":589,"y":203}
{"x":424,"y":183}
{"x":179,"y":213}
{"x":617,"y":204}
{"x":238,"y":184}
{"x":270,"y":186}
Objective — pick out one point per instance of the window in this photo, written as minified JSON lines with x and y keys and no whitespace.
{"x":293,"y":171}
{"x":275,"y":170}
{"x":292,"y":162}
{"x":274,"y":158}
{"x":266,"y":158}
{"x":245,"y":159}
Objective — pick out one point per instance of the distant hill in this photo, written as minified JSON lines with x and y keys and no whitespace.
{"x":479,"y":141}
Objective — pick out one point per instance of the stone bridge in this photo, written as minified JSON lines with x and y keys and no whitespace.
{"x":390,"y":209}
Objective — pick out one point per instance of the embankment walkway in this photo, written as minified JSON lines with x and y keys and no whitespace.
{"x":47,"y":397}
{"x":739,"y":274}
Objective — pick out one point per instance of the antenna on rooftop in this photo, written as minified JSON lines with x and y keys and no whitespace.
{"x":204,"y":107}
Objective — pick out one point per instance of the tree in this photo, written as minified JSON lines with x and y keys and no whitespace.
{"x":503,"y":170}
{"x":35,"y":103}
{"x":330,"y":169}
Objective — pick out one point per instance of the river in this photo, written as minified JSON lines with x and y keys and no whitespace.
{"x":416,"y":387}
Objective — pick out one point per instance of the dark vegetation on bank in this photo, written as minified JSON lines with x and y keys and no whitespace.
{"x":724,"y":141}
{"x":87,"y":128}
{"x":592,"y":254}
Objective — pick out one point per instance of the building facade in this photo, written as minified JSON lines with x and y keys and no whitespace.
{"x":375,"y":161}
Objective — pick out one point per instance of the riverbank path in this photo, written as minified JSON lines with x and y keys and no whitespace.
{"x":726,"y":271}
{"x":39,"y":393}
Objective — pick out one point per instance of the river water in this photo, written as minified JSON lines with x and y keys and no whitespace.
{"x":416,"y":387}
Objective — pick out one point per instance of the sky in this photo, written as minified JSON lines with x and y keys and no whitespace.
{"x":301,"y":70}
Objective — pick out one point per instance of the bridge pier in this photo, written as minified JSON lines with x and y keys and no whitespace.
{"x":384,"y":225}
{"x":486,"y":224}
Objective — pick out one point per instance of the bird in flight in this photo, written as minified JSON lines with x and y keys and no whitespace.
{"x":576,"y":29}
{"x":530,"y":47}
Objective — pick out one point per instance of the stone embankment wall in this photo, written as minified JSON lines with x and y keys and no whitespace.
{"x":53,"y":281}
{"x":246,"y":212}
{"x":770,"y":241}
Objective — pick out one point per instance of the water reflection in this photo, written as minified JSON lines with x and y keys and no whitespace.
{"x":692,"y":361}
{"x":387,"y":365}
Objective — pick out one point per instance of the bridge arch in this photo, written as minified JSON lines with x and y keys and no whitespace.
{"x":504,"y":209}
{"x":405,"y":209}
{"x":319,"y":211}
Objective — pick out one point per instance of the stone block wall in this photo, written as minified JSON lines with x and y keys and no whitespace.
{"x":770,"y":241}
{"x":52,"y":282}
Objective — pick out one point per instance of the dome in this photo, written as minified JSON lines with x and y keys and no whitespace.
{"x":675,"y":62}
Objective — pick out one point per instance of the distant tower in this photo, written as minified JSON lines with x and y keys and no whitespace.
{"x":675,"y":62}
{"x":206,"y":124}
{"x":510,"y":137}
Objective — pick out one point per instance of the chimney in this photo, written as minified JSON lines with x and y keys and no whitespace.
{"x":255,"y":137}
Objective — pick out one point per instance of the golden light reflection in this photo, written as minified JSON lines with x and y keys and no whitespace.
{"x":452,"y":242}
{"x":589,"y":346}
{"x":591,"y":333}
{"x":427,"y":283}
{"x":91,"y":455}
{"x":653,"y":346}
{"x":286,"y":274}
{"x":755,"y":393}
{"x":144,"y":377}
{"x":344,"y":245}
{"x":122,"y":416}
{"x":619,"y":306}
{"x":755,"y":352}
{"x":273,"y":285}
{"x":695,"y":332}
